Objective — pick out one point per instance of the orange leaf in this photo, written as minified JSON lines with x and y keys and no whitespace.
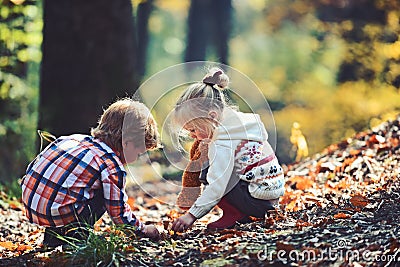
{"x":15,"y":205}
{"x":341,"y":215}
{"x":347,"y":162}
{"x":355,"y":152}
{"x":8,"y":245}
{"x":173,"y":214}
{"x":130,"y":249}
{"x":96,"y":226}
{"x":359,"y":201}
{"x":131,"y":203}
{"x":301,"y":182}
{"x":291,"y":206}
{"x":287,"y":198}
{"x":22,"y":248}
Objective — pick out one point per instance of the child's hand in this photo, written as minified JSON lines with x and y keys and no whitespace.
{"x":183,"y":223}
{"x":151,"y":232}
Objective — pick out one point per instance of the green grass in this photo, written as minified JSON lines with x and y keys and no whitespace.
{"x":108,"y":248}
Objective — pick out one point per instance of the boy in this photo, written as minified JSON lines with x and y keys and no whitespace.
{"x":77,"y":178}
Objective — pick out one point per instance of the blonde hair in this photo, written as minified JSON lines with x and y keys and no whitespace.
{"x":127,"y":120}
{"x":202,"y":97}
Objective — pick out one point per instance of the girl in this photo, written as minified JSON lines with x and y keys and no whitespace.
{"x":244,"y":177}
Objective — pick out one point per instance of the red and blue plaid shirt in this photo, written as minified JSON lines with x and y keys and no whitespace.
{"x":66,"y":174}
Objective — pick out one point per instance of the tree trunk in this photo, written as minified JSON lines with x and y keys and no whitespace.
{"x":88,"y":61}
{"x":143,"y":14}
{"x":209,"y":23}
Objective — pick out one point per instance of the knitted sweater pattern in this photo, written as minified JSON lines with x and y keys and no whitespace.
{"x":257,"y":165}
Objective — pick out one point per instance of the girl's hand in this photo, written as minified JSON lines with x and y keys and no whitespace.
{"x":151,"y":232}
{"x":183,"y":223}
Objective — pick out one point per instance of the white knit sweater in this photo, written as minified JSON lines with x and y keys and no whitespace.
{"x":240,"y":145}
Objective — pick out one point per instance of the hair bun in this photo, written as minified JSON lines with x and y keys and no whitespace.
{"x":216,"y":76}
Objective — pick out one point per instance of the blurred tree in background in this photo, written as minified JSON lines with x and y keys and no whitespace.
{"x":20,"y":39}
{"x":331,"y":66}
{"x":209,"y":26}
{"x":144,"y":9}
{"x":340,"y":73}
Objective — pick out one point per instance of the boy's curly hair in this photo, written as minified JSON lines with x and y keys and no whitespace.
{"x":127,"y":120}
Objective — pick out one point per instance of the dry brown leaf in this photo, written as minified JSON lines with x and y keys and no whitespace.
{"x":341,"y":215}
{"x":300,"y":224}
{"x":225,"y":237}
{"x":210,"y":249}
{"x":359,"y":201}
{"x":269,"y":221}
{"x":284,"y":246}
{"x":394,"y":245}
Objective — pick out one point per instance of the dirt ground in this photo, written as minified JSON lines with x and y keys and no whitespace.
{"x":341,"y":208}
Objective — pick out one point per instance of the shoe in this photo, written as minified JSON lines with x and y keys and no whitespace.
{"x":62,"y":236}
{"x":50,"y":237}
{"x":230,"y":216}
{"x":245,"y":220}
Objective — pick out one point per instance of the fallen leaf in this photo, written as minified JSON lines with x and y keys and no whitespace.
{"x":394,"y":245}
{"x":359,"y":201}
{"x":225,"y":237}
{"x":8,"y":245}
{"x":291,"y":206}
{"x":269,"y":221}
{"x":15,"y":205}
{"x":22,"y":248}
{"x":341,"y":215}
{"x":284,"y":246}
{"x":300,"y":224}
{"x":131,"y":202}
{"x":301,"y":182}
{"x":96,"y":226}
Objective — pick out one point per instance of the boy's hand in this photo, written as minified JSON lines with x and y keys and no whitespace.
{"x":183,"y":223}
{"x":151,"y":232}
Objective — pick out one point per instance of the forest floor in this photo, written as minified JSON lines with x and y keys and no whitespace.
{"x":341,"y":208}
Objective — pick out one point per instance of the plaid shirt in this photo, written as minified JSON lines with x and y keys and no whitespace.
{"x":66,"y":174}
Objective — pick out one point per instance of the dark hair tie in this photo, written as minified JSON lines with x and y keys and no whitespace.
{"x":210,"y":84}
{"x":214,"y":79}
